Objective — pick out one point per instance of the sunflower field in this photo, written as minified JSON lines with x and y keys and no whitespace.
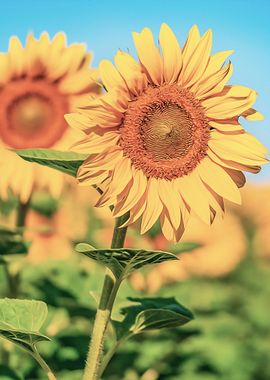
{"x":134,"y":198}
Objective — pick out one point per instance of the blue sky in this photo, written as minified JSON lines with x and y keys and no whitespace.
{"x":241,"y":25}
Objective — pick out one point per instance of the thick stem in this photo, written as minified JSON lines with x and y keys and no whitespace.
{"x":43,"y":365}
{"x":109,"y":291}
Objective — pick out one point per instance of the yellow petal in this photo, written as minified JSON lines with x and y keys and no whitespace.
{"x":171,"y":54}
{"x":217,"y":178}
{"x":226,"y":126}
{"x":131,"y":72}
{"x":110,"y":77}
{"x":79,"y":54}
{"x":215,"y":62}
{"x":104,"y":161}
{"x":5,"y":72}
{"x":232,"y":104}
{"x":135,"y":193}
{"x":153,"y":206}
{"x":197,"y":63}
{"x":16,"y":57}
{"x":149,"y":55}
{"x":241,"y":142}
{"x":80,"y":81}
{"x":34,"y":65}
{"x":170,"y":200}
{"x":136,"y":211}
{"x":121,"y":176}
{"x":95,"y":144}
{"x":78,"y":121}
{"x":190,"y":45}
{"x":44,"y":46}
{"x":252,"y":168}
{"x":166,"y":227}
{"x":189,"y":187}
{"x":251,"y":114}
{"x":214,"y":84}
{"x":235,"y":152}
{"x":57,"y":47}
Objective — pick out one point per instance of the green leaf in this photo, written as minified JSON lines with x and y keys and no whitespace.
{"x":124,"y":261}
{"x":12,"y":242}
{"x":21,"y":320}
{"x":183,"y":247}
{"x":44,"y":203}
{"x":66,"y":162}
{"x":7,"y":373}
{"x":151,"y":314}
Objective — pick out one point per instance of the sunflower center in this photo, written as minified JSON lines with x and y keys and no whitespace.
{"x":165,"y":132}
{"x":31,"y":114}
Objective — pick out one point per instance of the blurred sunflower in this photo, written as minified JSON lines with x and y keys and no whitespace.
{"x":38,"y":85}
{"x":255,"y":214}
{"x":222,"y":247}
{"x":165,"y":139}
{"x":49,"y":237}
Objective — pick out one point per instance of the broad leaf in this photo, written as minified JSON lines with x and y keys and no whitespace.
{"x":21,"y":320}
{"x":123,"y":261}
{"x":66,"y":162}
{"x":12,"y":242}
{"x":151,"y":314}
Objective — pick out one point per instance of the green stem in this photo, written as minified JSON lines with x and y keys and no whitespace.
{"x":43,"y":364}
{"x":13,"y":281}
{"x":21,"y":213}
{"x":109,"y":291}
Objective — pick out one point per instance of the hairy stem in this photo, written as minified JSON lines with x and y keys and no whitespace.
{"x":109,"y":291}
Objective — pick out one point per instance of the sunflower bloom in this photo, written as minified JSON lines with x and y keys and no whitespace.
{"x":221,"y":249}
{"x":38,"y":85}
{"x":165,"y":139}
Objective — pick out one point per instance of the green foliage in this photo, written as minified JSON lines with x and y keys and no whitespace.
{"x":21,"y":320}
{"x":146,"y":314}
{"x":44,"y":203}
{"x":7,"y":373}
{"x":183,"y":247}
{"x":66,"y":162}
{"x":8,"y":205}
{"x":229,"y":339}
{"x":12,"y":242}
{"x":123,"y":261}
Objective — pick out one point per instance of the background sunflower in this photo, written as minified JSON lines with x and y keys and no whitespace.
{"x":39,"y":83}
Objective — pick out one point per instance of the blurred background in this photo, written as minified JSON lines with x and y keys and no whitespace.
{"x":223,"y":275}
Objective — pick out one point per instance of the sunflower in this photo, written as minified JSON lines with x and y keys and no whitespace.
{"x":165,"y":139}
{"x":221,"y":249}
{"x":38,"y":85}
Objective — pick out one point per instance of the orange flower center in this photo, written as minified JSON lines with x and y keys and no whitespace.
{"x":165,"y":132}
{"x":32,"y":114}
